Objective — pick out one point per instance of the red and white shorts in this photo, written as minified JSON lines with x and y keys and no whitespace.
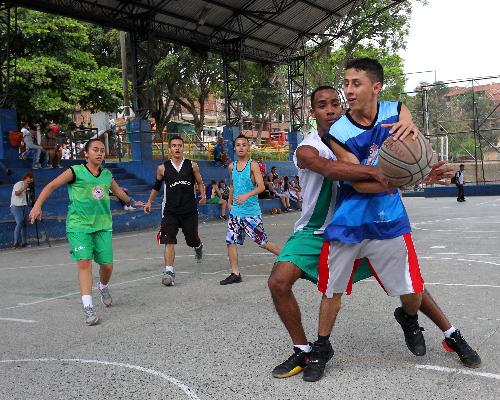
{"x":393,"y":263}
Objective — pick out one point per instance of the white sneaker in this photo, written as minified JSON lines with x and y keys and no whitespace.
{"x":90,"y":315}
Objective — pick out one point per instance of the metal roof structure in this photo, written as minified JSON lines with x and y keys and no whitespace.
{"x":270,"y":30}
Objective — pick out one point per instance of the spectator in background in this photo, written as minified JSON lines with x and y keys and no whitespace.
{"x":273,"y":174}
{"x":52,"y":147}
{"x":32,"y":149}
{"x":220,"y":153}
{"x":18,"y":204}
{"x":282,"y":193}
{"x":262,"y":166}
{"x":214,"y":196}
{"x":459,"y":181}
{"x":224,"y":190}
{"x":65,"y":152}
{"x":294,"y":190}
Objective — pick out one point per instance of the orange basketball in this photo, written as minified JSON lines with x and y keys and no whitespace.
{"x":405,"y":162}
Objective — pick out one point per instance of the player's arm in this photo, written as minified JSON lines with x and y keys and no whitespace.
{"x":160,"y":172}
{"x":362,"y":186}
{"x":259,"y":184}
{"x":231,"y":188}
{"x":63,"y":179}
{"x":308,"y":158}
{"x":404,"y":127}
{"x":199,"y":182}
{"x":118,"y":192}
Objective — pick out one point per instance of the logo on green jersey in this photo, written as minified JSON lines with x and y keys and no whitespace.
{"x":98,"y":192}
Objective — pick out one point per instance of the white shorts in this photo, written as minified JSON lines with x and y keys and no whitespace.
{"x":393,"y":263}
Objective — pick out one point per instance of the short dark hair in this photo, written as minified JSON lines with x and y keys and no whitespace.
{"x":461,"y":165}
{"x":87,"y":145}
{"x":371,"y":66}
{"x":319,"y":89}
{"x":240,"y":136}
{"x":175,"y":137}
{"x":28,"y":174}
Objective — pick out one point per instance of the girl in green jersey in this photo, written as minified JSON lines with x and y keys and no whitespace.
{"x":89,"y":223}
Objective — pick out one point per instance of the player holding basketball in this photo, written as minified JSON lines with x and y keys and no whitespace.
{"x":89,"y":222}
{"x":180,"y":208}
{"x":244,"y":209}
{"x":367,"y":222}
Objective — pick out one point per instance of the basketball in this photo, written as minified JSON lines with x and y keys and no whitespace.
{"x":405,"y":162}
{"x":274,"y":211}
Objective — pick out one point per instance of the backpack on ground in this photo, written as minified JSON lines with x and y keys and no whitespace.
{"x":15,"y":139}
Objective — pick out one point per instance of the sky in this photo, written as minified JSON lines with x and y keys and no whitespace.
{"x":454,"y":38}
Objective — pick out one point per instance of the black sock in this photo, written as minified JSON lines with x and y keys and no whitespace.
{"x":323,"y":339}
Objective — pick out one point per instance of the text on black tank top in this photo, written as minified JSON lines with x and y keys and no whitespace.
{"x":179,"y":189}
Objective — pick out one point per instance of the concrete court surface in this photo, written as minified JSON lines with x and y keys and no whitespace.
{"x":200,"y":340}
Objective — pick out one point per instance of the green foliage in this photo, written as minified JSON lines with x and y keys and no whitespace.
{"x":186,"y":77}
{"x":56,"y":72}
{"x":379,"y":37}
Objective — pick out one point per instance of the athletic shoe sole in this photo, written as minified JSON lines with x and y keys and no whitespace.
{"x":93,"y":322}
{"x":297,"y":370}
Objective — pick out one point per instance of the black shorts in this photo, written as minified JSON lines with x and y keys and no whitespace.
{"x":170,"y":225}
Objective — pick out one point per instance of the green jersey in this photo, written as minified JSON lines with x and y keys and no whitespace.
{"x":89,"y":209}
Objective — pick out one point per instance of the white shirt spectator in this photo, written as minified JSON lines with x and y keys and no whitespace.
{"x":21,"y":199}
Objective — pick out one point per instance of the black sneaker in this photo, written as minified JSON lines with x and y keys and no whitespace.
{"x":293,"y":365}
{"x":456,"y":343}
{"x":233,"y":278}
{"x":319,"y":356}
{"x":413,"y":332}
{"x":198,"y":253}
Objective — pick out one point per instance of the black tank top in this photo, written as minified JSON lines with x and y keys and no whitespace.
{"x":179,"y":189}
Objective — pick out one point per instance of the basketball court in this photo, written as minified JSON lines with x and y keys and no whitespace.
{"x":200,"y":340}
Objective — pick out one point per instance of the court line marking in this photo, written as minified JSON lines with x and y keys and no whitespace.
{"x":26,"y":321}
{"x":19,"y":305}
{"x":185,"y":388}
{"x":115,"y":261}
{"x":459,"y":371}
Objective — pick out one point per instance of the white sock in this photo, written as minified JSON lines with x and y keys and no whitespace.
{"x":87,"y":300}
{"x":169,"y":268}
{"x":448,"y":333}
{"x":102,"y":285}
{"x":306,"y":348}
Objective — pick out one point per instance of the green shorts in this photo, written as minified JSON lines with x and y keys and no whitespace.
{"x":303,"y":249}
{"x":97,"y":246}
{"x":213,"y":200}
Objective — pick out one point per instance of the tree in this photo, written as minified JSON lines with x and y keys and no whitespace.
{"x":264,"y":91}
{"x":55,"y":72}
{"x":187,"y":77}
{"x":379,"y":37}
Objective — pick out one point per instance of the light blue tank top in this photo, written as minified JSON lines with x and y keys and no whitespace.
{"x":242,"y":183}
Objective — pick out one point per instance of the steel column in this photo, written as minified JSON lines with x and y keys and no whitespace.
{"x":296,"y":92}
{"x":232,"y":63}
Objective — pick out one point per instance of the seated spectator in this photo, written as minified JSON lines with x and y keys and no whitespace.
{"x":32,"y":149}
{"x":65,"y":151}
{"x":294,"y":190}
{"x":272,"y":174}
{"x":220,"y":156}
{"x":282,"y":193}
{"x":53,"y":148}
{"x":214,"y":197}
{"x":224,"y":190}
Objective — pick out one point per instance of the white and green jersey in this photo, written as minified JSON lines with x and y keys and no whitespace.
{"x":318,"y":193}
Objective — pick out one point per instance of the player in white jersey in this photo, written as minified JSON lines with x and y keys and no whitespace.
{"x":318,"y":170}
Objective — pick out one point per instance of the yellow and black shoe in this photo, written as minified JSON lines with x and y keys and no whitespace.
{"x":293,"y":365}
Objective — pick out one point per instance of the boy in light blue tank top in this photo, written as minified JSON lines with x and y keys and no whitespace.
{"x":244,"y":209}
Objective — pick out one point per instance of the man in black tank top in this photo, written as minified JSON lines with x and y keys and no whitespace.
{"x":179,"y":176}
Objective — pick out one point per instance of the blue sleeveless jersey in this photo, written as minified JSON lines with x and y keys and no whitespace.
{"x":242,"y":183}
{"x":360,"y":216}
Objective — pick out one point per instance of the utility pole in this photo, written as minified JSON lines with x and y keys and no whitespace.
{"x":123,"y":54}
